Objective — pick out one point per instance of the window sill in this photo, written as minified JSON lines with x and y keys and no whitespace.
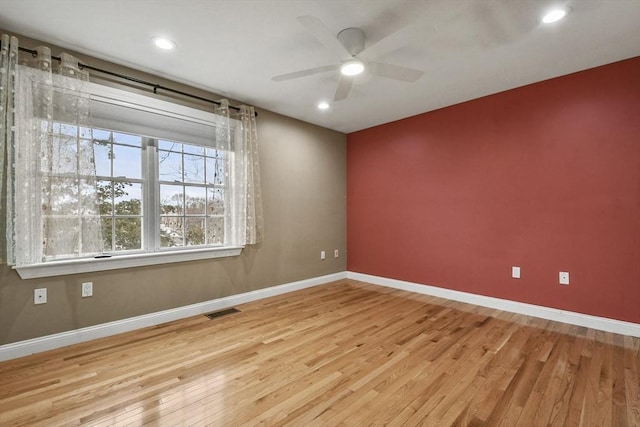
{"x":88,"y":265}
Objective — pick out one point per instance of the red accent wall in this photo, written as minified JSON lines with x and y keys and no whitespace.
{"x":545,"y":177}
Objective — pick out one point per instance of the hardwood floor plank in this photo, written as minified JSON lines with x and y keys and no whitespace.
{"x":604,"y":404}
{"x":345,"y":353}
{"x":632,"y":380}
{"x":589,"y":414}
{"x":618,"y":392}
{"x":577,"y":398}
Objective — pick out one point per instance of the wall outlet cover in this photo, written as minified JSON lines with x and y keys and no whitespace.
{"x":515,"y":272}
{"x":40,"y":296}
{"x":564,"y":277}
{"x":87,"y":289}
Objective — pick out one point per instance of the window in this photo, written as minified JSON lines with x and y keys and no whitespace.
{"x":141,"y":182}
{"x":120,"y":187}
{"x":192,"y":195}
{"x":190,"y":208}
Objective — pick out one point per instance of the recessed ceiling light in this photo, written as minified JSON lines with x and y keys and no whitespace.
{"x":554,"y":15}
{"x":163,"y":43}
{"x":352,"y":67}
{"x":323,"y":106}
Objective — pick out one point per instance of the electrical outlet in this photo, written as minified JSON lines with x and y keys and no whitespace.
{"x":515,"y":272}
{"x":564,"y":277}
{"x":87,"y":289}
{"x":40,"y":296}
{"x":323,"y":255}
{"x":336,"y":253}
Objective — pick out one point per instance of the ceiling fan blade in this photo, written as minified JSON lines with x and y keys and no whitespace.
{"x":323,"y":34}
{"x":343,"y":89}
{"x":395,"y":72}
{"x":304,"y":73}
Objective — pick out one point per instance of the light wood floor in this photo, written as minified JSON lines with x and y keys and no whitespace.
{"x":346,"y":353}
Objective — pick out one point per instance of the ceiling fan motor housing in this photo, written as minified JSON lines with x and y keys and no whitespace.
{"x":352,"y":39}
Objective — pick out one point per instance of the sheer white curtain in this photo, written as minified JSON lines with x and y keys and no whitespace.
{"x":247,"y":169}
{"x":56,"y":209}
{"x":223,"y":141}
{"x":255,"y":220}
{"x":8,"y":70}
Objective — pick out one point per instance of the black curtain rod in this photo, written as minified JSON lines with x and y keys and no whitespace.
{"x":155,"y":86}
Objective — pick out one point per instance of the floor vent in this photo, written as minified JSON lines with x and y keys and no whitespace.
{"x":221,"y":313}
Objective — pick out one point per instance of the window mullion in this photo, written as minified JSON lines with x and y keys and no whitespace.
{"x":150,"y":210}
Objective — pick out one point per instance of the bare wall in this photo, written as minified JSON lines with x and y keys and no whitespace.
{"x":303,"y":171}
{"x":545,"y":177}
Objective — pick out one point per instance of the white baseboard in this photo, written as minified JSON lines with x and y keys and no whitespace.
{"x":570,"y":317}
{"x":37,"y":345}
{"x":50,"y":342}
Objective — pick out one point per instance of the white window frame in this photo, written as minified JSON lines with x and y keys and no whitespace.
{"x":150,"y":254}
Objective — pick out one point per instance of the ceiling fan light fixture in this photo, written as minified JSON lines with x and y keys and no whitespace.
{"x":554,"y":15}
{"x":352,"y":67}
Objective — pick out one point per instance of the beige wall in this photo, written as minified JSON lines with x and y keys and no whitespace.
{"x":303,"y":171}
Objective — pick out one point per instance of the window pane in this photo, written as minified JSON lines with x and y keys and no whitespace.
{"x":102,"y":135}
{"x":124,"y":138}
{"x":171,"y":231}
{"x":86,"y":162}
{"x":128,"y":233}
{"x":102,"y":156}
{"x":215,"y":201}
{"x":170,"y":146}
{"x":67,"y":129}
{"x":171,"y":199}
{"x":193,"y":168}
{"x":107,"y":233}
{"x":170,"y":166}
{"x":193,"y":149}
{"x":215,"y":230}
{"x":126,"y":161}
{"x":61,"y":236}
{"x":166,"y":241}
{"x":91,"y":228}
{"x":63,"y":156}
{"x":195,"y":232}
{"x":105,"y":197}
{"x":60,"y":196}
{"x":195,"y":200}
{"x":89,"y":198}
{"x":128,"y":198}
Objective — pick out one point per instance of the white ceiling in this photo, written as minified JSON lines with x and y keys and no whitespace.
{"x":466,"y":48}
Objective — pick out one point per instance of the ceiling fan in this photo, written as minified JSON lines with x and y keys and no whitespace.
{"x":349,"y":44}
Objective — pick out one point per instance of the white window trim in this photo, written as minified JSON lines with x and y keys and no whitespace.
{"x":89,"y":265}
